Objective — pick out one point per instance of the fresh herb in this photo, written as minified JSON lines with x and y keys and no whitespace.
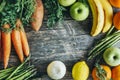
{"x":11,"y":10}
{"x":2,"y":5}
{"x":8,"y":15}
{"x":101,"y":73}
{"x":29,"y":8}
{"x":54,"y":11}
{"x":23,"y":72}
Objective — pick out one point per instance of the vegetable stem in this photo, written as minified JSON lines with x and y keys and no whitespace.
{"x":108,"y":41}
{"x":18,"y":68}
{"x":2,"y":5}
{"x":109,"y":32}
{"x":22,"y":6}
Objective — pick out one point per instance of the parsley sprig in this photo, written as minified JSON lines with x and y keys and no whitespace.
{"x":11,"y":10}
{"x":54,"y":11}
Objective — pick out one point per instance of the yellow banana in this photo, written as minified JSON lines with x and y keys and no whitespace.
{"x":98,"y":16}
{"x":94,"y":14}
{"x":108,"y":15}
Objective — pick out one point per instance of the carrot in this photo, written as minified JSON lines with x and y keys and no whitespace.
{"x":6,"y":43}
{"x":115,"y":3}
{"x":116,"y":20}
{"x":24,"y":41}
{"x":38,"y":15}
{"x":16,"y":39}
{"x":0,"y":46}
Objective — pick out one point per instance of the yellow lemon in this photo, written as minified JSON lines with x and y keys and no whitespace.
{"x":80,"y":71}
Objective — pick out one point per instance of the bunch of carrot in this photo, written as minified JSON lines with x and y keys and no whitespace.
{"x":17,"y":35}
{"x":19,"y":40}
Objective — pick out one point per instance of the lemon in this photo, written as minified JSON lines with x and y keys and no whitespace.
{"x":80,"y":71}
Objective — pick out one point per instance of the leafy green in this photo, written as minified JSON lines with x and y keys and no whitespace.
{"x":11,"y":10}
{"x":54,"y":11}
{"x":29,"y":7}
{"x":8,"y":16}
{"x":2,"y":5}
{"x":101,"y":73}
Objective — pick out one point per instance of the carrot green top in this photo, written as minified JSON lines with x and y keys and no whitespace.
{"x":11,"y":10}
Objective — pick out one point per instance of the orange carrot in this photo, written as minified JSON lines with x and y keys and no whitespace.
{"x":0,"y":46}
{"x":6,"y":43}
{"x":38,"y":15}
{"x":17,"y":43}
{"x":24,"y":41}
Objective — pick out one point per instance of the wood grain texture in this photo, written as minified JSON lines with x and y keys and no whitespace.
{"x":68,"y":42}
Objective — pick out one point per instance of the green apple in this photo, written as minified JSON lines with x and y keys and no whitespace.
{"x":66,"y":2}
{"x":112,"y":56}
{"x":79,"y":11}
{"x":56,"y":70}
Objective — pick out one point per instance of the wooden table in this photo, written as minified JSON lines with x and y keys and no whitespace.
{"x":69,"y":42}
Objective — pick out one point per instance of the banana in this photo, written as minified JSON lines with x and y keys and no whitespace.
{"x":108,"y":15}
{"x":98,"y":16}
{"x":94,"y":14}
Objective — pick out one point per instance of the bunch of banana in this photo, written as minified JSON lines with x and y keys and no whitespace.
{"x":102,"y":16}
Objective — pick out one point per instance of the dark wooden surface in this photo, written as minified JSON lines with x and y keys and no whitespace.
{"x":69,"y":42}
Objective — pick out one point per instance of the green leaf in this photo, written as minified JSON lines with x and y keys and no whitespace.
{"x":55,"y":12}
{"x":101,"y":73}
{"x":2,"y":5}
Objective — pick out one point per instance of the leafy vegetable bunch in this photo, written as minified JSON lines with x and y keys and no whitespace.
{"x":54,"y":11}
{"x":10,"y":10}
